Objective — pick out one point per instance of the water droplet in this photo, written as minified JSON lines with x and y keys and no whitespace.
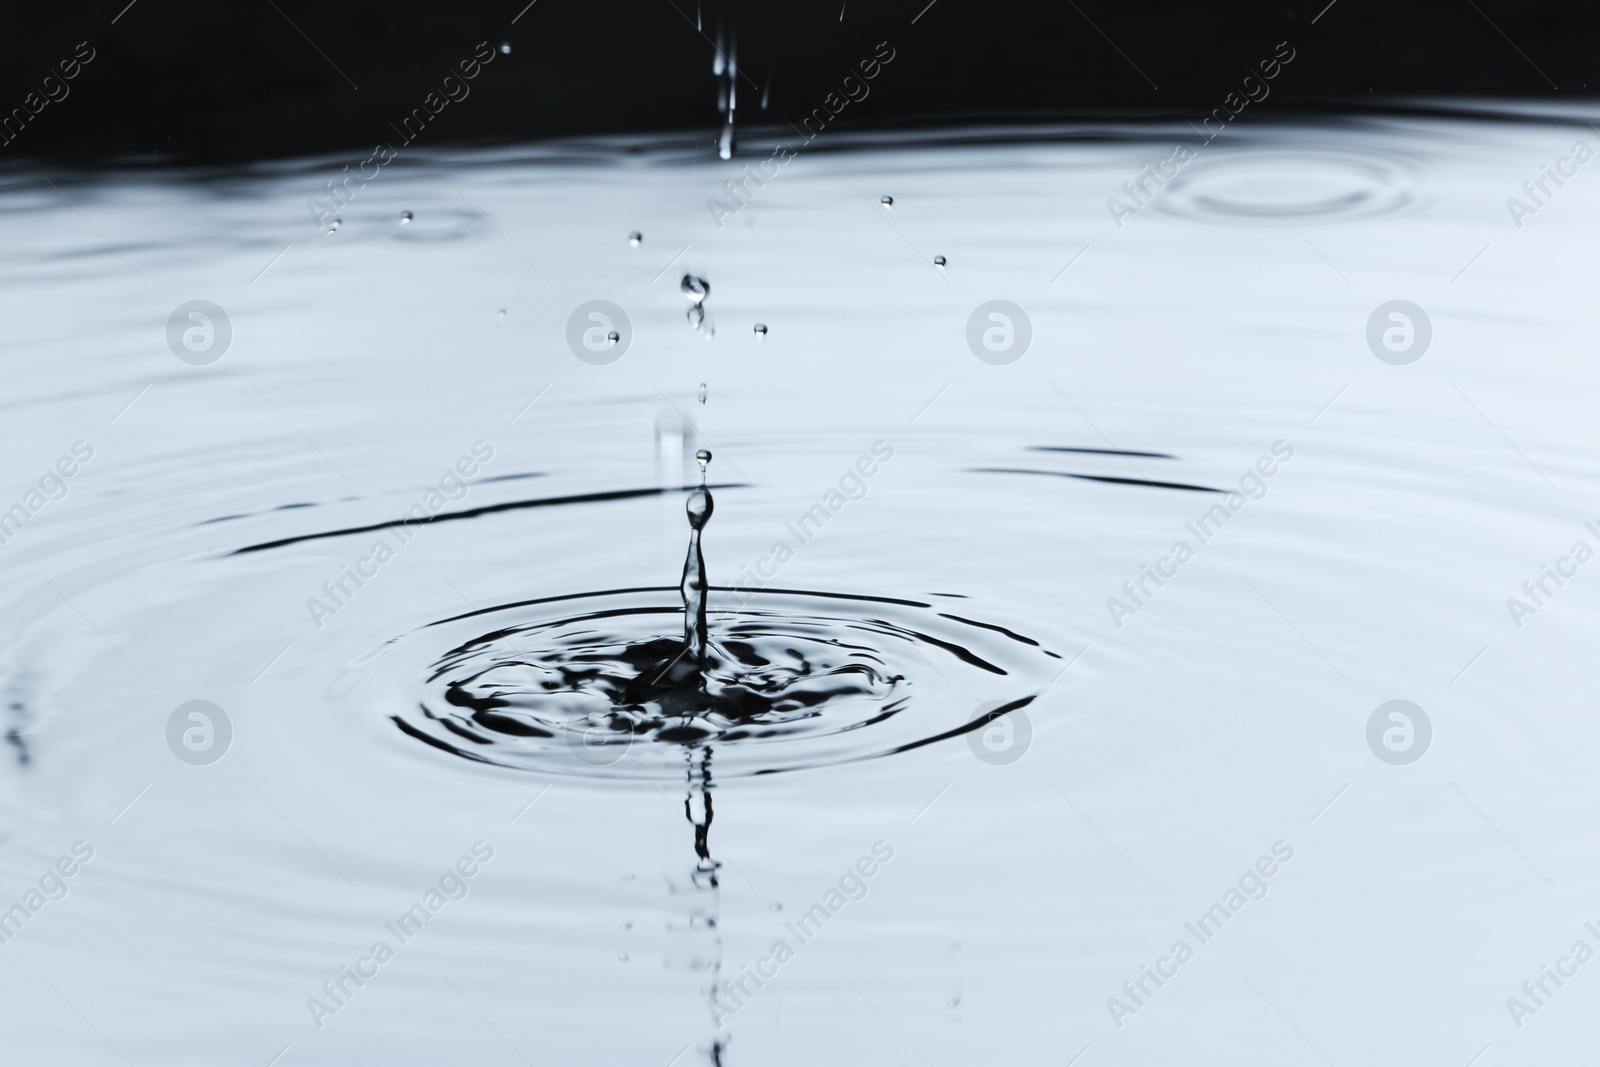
{"x":622,"y":957}
{"x":938,"y":261}
{"x":702,"y":392}
{"x":405,"y":217}
{"x":774,"y":907}
{"x":634,"y":238}
{"x":498,"y":319}
{"x":505,"y":48}
{"x":888,"y":201}
{"x":695,"y":289}
{"x":334,"y":225}
{"x":613,"y":337}
{"x":761,"y":329}
{"x":702,"y":457}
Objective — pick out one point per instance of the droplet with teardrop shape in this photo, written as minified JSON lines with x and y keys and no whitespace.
{"x":703,"y":457}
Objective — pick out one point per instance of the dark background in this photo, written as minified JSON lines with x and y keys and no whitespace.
{"x":184,"y":81}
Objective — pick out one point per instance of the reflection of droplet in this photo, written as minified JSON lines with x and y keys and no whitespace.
{"x":761,"y":329}
{"x":938,"y":261}
{"x":888,"y":201}
{"x":695,"y":289}
{"x":405,"y":217}
{"x":505,"y":48}
{"x":634,"y":238}
{"x":702,"y":392}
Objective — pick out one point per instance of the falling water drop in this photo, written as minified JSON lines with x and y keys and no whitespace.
{"x":887,"y":201}
{"x":761,"y":329}
{"x":405,"y":218}
{"x":505,"y":48}
{"x":613,"y":337}
{"x":334,"y":225}
{"x":938,"y":261}
{"x":702,"y":392}
{"x":694,"y":585}
{"x":696,"y":289}
{"x":634,"y":238}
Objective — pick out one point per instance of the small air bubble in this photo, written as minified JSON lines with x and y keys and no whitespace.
{"x":888,"y":201}
{"x":405,"y":218}
{"x":938,"y":261}
{"x":761,"y":329}
{"x":505,"y":48}
{"x":634,"y":238}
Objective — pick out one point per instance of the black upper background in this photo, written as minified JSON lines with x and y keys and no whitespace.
{"x":189,"y":81}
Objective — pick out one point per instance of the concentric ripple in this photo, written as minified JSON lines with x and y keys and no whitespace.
{"x":1308,"y":184}
{"x":598,"y":684}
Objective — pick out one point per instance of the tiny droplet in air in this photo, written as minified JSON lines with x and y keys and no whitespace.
{"x":334,"y":225}
{"x":702,"y":457}
{"x":702,"y":392}
{"x":405,"y":217}
{"x":888,"y":201}
{"x":761,"y":329}
{"x":613,"y":337}
{"x":938,"y":261}
{"x":634,"y":238}
{"x":505,"y":48}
